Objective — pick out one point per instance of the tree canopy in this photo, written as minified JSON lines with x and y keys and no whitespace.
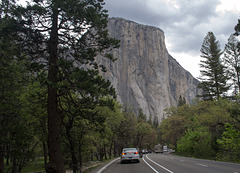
{"x":58,"y":39}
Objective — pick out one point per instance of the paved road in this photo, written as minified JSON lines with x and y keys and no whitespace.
{"x":160,"y":163}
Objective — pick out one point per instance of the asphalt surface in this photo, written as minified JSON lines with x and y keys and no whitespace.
{"x":163,"y":163}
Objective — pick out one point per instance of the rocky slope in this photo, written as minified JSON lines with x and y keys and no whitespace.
{"x":145,"y":75}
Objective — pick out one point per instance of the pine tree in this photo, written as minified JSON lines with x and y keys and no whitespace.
{"x":237,"y":33}
{"x":181,"y":101}
{"x":155,"y":122}
{"x":11,"y":83}
{"x":59,"y":37}
{"x":237,"y":28}
{"x":213,"y":74}
{"x":232,"y":61}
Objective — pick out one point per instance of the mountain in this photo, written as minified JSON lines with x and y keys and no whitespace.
{"x":145,"y":75}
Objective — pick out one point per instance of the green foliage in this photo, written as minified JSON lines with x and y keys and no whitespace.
{"x":145,"y":135}
{"x":17,"y":137}
{"x":214,"y":76}
{"x":141,"y":115}
{"x":58,"y":38}
{"x":155,"y":122}
{"x":229,"y":144}
{"x":181,"y":101}
{"x":172,"y":129}
{"x":203,"y":121}
{"x":196,"y":143}
{"x":36,"y":165}
{"x":232,"y":61}
{"x":234,"y":110}
{"x":127,"y":130}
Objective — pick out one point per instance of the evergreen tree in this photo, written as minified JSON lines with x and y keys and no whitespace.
{"x":237,"y":28}
{"x":232,"y":61}
{"x":141,"y":116}
{"x":59,"y":37}
{"x":155,"y":122}
{"x":213,"y":74}
{"x":12,"y":83}
{"x":237,"y":33}
{"x":181,"y":101}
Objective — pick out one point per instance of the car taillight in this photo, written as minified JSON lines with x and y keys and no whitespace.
{"x":124,"y":153}
{"x":136,"y":153}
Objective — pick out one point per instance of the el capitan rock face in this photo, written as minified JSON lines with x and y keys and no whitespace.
{"x":145,"y":75}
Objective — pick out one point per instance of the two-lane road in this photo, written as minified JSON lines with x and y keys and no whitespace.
{"x":160,"y":163}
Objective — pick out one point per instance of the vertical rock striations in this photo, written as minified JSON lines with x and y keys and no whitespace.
{"x":145,"y":75}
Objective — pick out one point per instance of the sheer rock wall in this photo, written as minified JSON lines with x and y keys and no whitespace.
{"x":145,"y":75}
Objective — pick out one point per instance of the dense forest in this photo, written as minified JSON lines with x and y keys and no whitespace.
{"x":54,"y":104}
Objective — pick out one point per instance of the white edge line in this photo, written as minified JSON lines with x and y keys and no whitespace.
{"x":150,"y":166}
{"x":201,"y":165}
{"x":107,"y":165}
{"x":159,"y":165}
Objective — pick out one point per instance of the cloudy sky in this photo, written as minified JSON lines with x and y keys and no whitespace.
{"x":184,"y":22}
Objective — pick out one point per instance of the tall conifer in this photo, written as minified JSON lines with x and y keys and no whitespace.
{"x":60,"y":37}
{"x":232,"y":61}
{"x":213,"y":73}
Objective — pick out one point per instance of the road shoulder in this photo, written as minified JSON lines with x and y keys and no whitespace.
{"x":103,"y":166}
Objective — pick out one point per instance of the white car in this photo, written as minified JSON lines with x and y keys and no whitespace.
{"x":130,"y":154}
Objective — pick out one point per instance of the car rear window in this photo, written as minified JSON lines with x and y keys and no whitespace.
{"x":126,"y":150}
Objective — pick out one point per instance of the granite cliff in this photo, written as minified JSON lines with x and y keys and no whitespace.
{"x":145,"y":75}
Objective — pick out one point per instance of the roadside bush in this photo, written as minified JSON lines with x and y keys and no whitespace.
{"x":196,"y":143}
{"x":229,"y":144}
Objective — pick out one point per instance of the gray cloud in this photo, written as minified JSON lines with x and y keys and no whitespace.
{"x":185,"y":22}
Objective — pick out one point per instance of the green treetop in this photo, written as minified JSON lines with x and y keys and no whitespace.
{"x":213,"y":74}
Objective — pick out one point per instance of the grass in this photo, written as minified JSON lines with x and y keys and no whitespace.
{"x":35,"y":166}
{"x":92,"y":165}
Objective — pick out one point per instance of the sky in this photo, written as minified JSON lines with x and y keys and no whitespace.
{"x":185,"y":23}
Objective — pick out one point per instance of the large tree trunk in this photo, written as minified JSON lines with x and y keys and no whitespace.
{"x":101,"y":153}
{"x":44,"y":142}
{"x":8,"y":150}
{"x":73,"y":151}
{"x":80,"y":155}
{"x":110,"y":150}
{"x":105,"y":153}
{"x":116,"y":148}
{"x":1,"y":159}
{"x":92,"y":154}
{"x":14,"y":164}
{"x":54,"y":141}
